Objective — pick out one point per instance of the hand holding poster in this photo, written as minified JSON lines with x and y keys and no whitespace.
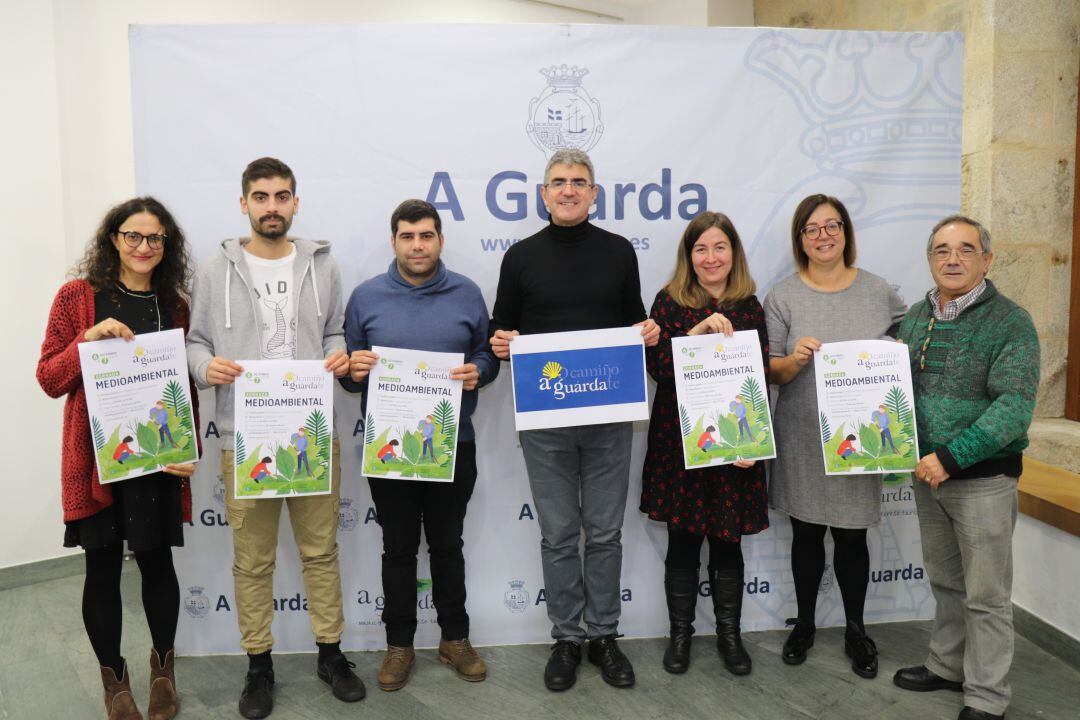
{"x":413,"y":408}
{"x":578,"y":378}
{"x":723,"y":399}
{"x":137,"y":397}
{"x":283,"y":423}
{"x":867,"y":420}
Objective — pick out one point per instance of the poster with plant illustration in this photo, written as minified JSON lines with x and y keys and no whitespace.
{"x":413,"y":408}
{"x":139,"y":406}
{"x":284,"y":426}
{"x":865,"y":411}
{"x":723,"y":399}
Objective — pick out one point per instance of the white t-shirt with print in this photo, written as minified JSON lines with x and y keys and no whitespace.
{"x":271,"y":282}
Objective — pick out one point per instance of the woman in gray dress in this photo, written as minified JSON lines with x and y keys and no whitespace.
{"x":826,"y":300}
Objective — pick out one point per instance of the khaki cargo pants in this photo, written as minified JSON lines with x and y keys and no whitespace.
{"x":254,"y":525}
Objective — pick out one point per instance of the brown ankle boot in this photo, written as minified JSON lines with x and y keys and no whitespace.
{"x":460,"y":655}
{"x":119,"y":702}
{"x":164,"y":702}
{"x":394,"y":672}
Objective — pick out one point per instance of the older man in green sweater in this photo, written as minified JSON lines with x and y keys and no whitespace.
{"x":975,"y":366}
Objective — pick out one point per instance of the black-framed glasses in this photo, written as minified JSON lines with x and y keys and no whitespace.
{"x":576,"y":183}
{"x":926,"y":343}
{"x":134,"y":239}
{"x":831,"y":228}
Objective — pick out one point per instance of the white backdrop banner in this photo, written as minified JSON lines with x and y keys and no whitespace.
{"x":677,"y":120}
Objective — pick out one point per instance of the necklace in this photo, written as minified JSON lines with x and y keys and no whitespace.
{"x":151,"y":296}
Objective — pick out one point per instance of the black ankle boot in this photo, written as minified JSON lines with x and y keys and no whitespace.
{"x":727,"y":595}
{"x":681,"y":589}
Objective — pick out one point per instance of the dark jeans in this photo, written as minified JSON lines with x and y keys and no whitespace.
{"x":402,"y":506}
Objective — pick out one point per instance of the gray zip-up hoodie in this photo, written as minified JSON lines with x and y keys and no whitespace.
{"x":225,"y":321}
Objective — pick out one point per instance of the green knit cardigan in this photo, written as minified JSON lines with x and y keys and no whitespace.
{"x":975,"y":380}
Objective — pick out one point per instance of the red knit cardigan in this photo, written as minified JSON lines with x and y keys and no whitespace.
{"x":59,"y":373}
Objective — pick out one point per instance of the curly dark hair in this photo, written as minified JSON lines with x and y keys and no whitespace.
{"x":100,"y":266}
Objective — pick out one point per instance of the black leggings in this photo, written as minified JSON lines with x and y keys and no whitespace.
{"x":684,"y":550}
{"x":851,"y":562}
{"x":101,"y":604}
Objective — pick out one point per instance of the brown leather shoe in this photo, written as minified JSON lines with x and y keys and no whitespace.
{"x":119,"y":702}
{"x":394,"y":672}
{"x":164,"y":702}
{"x":460,"y":655}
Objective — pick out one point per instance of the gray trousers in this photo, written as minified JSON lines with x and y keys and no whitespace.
{"x":579,"y":477}
{"x":967,"y":528}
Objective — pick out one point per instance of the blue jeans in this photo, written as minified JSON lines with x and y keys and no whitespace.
{"x":579,"y":478}
{"x":967,"y":528}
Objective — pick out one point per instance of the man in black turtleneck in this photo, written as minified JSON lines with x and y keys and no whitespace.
{"x":574,"y":276}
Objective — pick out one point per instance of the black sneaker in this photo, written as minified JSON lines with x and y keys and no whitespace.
{"x":256,"y":700}
{"x":561,"y":670}
{"x":336,"y":671}
{"x":615,"y":668}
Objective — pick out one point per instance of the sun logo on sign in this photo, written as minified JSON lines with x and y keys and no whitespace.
{"x":552,"y":370}
{"x":139,"y":352}
{"x":290,"y":376}
{"x":719,"y":348}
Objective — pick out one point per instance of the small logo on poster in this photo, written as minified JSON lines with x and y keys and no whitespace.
{"x":196,"y":604}
{"x":516,"y":599}
{"x":564,"y":116}
{"x":348,"y":516}
{"x":219,"y":491}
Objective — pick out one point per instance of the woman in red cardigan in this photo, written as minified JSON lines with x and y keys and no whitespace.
{"x":132,"y":280}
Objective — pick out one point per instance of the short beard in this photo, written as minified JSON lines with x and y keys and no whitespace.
{"x":256,"y":225}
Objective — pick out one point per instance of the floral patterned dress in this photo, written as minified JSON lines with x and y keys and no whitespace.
{"x":721,"y":501}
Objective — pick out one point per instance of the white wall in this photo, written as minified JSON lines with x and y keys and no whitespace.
{"x":68,"y":155}
{"x":34,"y":236}
{"x":1045,"y":581}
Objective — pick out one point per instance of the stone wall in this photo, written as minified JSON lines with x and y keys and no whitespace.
{"x":1019,"y":147}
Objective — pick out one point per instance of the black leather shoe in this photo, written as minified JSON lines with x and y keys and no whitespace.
{"x":920,"y":679}
{"x":798,"y":642}
{"x":615,"y":668}
{"x":336,"y":671}
{"x":862,"y":651}
{"x":256,"y":701}
{"x":681,"y":591}
{"x":970,"y":713}
{"x":561,"y":670}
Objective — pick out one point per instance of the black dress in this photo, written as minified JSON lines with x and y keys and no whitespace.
{"x":146,"y":511}
{"x":722,"y":501}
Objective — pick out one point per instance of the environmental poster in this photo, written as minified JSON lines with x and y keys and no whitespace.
{"x":866,"y":415}
{"x":723,"y":399}
{"x":139,"y":406}
{"x":413,"y":408}
{"x":283,"y":422}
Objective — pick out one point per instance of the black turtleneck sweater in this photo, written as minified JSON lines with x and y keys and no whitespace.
{"x":568,"y":278}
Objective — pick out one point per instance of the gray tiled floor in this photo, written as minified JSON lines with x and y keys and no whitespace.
{"x":47,"y":670}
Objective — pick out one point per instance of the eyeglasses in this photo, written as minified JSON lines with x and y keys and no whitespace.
{"x":134,"y":239}
{"x":831,"y":228}
{"x":965,"y":253}
{"x":926,"y":344}
{"x":577,"y":184}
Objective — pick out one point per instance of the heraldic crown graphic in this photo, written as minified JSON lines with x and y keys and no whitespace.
{"x":564,"y":116}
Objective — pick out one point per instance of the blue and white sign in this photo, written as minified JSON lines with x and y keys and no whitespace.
{"x":578,"y":378}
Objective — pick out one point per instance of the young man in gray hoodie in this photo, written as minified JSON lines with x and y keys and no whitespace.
{"x":274,"y":297}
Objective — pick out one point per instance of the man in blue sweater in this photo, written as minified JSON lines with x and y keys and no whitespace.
{"x":420,"y":305}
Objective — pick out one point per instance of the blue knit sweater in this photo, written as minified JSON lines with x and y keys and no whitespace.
{"x":445,"y":314}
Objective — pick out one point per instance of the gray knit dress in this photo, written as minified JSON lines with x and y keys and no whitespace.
{"x":798,"y":485}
